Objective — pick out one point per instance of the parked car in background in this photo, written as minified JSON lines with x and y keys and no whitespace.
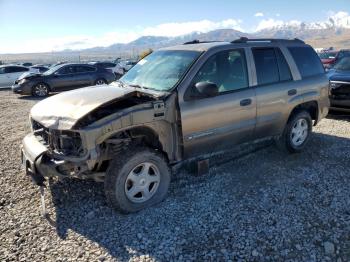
{"x":35,"y":70}
{"x":61,"y":78}
{"x":10,"y":73}
{"x":180,"y":103}
{"x":329,"y":63}
{"x":339,"y":77}
{"x":328,"y":58}
{"x":41,"y":68}
{"x":127,"y":65}
{"x":27,"y":64}
{"x":115,"y":68}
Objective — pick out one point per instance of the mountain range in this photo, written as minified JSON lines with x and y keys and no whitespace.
{"x":318,"y":35}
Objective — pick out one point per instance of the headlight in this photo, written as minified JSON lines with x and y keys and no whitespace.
{"x":22,"y":81}
{"x":334,"y":85}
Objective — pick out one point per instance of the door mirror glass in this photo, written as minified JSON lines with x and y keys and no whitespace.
{"x":207,"y":89}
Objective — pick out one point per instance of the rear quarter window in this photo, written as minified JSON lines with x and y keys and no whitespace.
{"x":307,"y":61}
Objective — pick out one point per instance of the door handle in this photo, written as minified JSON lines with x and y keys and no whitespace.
{"x":245,"y":102}
{"x":292,"y":92}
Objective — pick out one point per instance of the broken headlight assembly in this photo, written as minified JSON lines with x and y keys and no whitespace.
{"x":66,"y":143}
{"x":334,"y":85}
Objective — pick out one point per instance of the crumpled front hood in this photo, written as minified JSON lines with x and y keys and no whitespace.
{"x":62,"y":111}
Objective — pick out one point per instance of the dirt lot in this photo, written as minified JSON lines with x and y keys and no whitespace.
{"x":264,"y":206}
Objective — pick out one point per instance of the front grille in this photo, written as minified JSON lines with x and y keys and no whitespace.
{"x":41,"y":132}
{"x":341,"y":92}
{"x":62,"y":142}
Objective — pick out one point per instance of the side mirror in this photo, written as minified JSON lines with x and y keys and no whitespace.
{"x":207,"y":89}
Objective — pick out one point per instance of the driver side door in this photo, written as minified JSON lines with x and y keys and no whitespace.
{"x":215,"y":123}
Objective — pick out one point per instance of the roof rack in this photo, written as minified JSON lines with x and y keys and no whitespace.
{"x":268,"y":40}
{"x":196,"y":41}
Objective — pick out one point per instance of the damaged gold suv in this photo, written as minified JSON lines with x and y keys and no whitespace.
{"x":179,"y":103}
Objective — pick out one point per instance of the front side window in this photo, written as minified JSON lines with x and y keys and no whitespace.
{"x":307,"y":61}
{"x":227,"y":69}
{"x":67,"y":70}
{"x":161,"y":70}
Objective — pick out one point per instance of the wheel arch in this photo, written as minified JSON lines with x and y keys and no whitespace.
{"x":311,"y":107}
{"x":142,"y":136}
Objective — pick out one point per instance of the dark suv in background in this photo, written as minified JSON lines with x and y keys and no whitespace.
{"x":61,"y":78}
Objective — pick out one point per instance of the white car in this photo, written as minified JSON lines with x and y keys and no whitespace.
{"x":127,"y":65}
{"x":10,"y":73}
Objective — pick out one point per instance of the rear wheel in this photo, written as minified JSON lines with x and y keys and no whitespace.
{"x":296,"y":133}
{"x":137,"y":179}
{"x":100,"y":81}
{"x":40,"y":90}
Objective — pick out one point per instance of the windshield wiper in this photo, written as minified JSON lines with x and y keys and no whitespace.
{"x":141,"y":87}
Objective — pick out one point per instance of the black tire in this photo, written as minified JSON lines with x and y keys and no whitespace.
{"x":100,"y":81}
{"x":285,"y":141}
{"x":117,"y":174}
{"x":40,"y":90}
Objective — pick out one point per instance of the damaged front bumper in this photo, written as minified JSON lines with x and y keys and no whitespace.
{"x":37,"y":162}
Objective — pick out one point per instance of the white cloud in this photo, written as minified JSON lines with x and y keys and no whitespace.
{"x":259,"y":14}
{"x":203,"y":26}
{"x":278,"y":15}
{"x":85,"y":41}
{"x":339,"y":19}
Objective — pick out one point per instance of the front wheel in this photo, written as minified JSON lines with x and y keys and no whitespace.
{"x":40,"y":90}
{"x":296,"y":133}
{"x":137,"y":179}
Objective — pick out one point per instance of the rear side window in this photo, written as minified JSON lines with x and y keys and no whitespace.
{"x":107,"y":65}
{"x":307,"y":61}
{"x":15,"y":69}
{"x":283,"y":67}
{"x":266,"y":66}
{"x":84,"y":69}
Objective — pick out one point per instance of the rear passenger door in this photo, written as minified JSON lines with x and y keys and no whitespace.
{"x":211,"y":124}
{"x":275,"y":88}
{"x":85,"y":75}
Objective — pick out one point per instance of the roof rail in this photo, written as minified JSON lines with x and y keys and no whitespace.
{"x":269,"y":40}
{"x":196,"y":41}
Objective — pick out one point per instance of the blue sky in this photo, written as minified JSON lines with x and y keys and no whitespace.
{"x":39,"y":25}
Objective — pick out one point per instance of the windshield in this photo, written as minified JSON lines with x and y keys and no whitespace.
{"x":161,"y":70}
{"x":327,"y":55}
{"x":343,"y":64}
{"x":52,"y":70}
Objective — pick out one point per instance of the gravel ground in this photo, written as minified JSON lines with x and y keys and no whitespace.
{"x":263,"y":206}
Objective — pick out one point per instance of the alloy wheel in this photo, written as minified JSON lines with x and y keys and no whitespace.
{"x":41,"y":90}
{"x":300,"y":131}
{"x":142,"y":182}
